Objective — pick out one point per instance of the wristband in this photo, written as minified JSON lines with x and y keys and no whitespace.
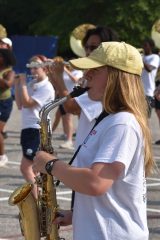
{"x":49,"y":166}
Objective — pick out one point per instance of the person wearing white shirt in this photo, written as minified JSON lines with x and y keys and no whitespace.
{"x":83,"y":106}
{"x":108,"y":176}
{"x":87,"y":109}
{"x":151,"y":64}
{"x":30,"y":98}
{"x":71,"y":78}
{"x":157,"y":100}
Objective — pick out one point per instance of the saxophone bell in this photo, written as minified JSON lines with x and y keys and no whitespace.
{"x":28,"y":211}
{"x":37,"y":215}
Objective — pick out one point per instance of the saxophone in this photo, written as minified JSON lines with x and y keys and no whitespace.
{"x":36,"y":216}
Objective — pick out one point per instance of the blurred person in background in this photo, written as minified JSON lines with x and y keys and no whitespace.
{"x":151,"y":64}
{"x":71,"y":78}
{"x":30,"y":98}
{"x":156,"y":93}
{"x":7,"y":75}
{"x":7,"y":44}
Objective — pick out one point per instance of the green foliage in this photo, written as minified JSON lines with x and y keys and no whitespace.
{"x":132,"y":19}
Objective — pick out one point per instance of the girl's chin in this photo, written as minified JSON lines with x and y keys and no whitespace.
{"x":92,"y":97}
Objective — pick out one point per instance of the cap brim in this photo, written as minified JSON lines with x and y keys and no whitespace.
{"x":6,"y":41}
{"x":85,"y":63}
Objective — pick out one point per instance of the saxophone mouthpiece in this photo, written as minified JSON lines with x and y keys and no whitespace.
{"x":77,"y":91}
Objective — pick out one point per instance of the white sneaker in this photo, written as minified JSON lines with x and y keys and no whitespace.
{"x":3,"y":160}
{"x":62,"y":137}
{"x":67,"y":145}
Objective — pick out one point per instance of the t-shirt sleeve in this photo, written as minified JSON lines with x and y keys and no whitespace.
{"x":91,"y":109}
{"x":119,"y":144}
{"x":154,"y":62}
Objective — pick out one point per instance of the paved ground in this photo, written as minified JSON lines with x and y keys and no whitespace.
{"x":10,"y":178}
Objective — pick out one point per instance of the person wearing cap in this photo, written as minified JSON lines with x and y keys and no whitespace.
{"x":108,"y":175}
{"x":6,"y":43}
{"x":30,"y":97}
{"x":7,"y":61}
{"x":87,"y":109}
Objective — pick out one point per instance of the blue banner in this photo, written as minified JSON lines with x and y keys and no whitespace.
{"x":24,"y":47}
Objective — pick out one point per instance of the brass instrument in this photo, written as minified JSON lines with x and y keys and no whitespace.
{"x":155,"y":33}
{"x":36,"y":217}
{"x":3,"y":31}
{"x":77,"y":36}
{"x":30,"y":76}
{"x":29,"y":218}
{"x":43,"y":64}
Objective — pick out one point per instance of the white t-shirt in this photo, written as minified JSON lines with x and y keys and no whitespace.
{"x":120,"y":213}
{"x":90,"y":110}
{"x":148,"y":78}
{"x":42,"y":92}
{"x":68,"y":81}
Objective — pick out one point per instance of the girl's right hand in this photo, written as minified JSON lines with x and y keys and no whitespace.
{"x":20,"y":78}
{"x":16,"y":79}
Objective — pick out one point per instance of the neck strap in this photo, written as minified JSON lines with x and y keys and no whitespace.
{"x":101,"y":116}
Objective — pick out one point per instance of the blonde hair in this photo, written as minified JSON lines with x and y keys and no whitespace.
{"x":124,"y":92}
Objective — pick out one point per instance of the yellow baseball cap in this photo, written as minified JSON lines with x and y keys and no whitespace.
{"x":119,"y":55}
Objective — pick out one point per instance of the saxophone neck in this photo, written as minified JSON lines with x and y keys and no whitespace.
{"x":77,"y":91}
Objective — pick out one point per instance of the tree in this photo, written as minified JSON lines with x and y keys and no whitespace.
{"x":132,"y":19}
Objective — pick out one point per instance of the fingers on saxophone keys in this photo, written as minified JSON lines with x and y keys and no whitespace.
{"x":58,"y":214}
{"x":58,"y":219}
{"x":34,"y":170}
{"x":34,"y":167}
